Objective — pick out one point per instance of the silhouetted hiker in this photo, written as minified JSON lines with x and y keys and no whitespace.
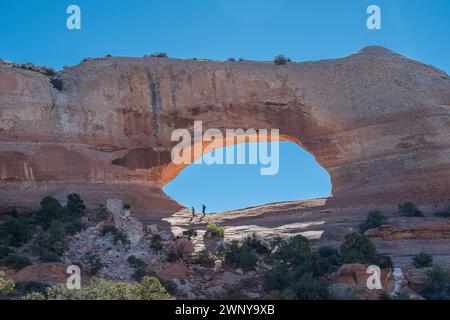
{"x":204,"y":210}
{"x":193,"y":212}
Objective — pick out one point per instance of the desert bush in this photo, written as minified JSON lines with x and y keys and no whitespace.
{"x":75,"y":205}
{"x":281,"y":60}
{"x":158,"y":55}
{"x":214,"y":230}
{"x":173,"y":255}
{"x":231,"y":59}
{"x":149,"y":288}
{"x":49,"y":256}
{"x":4,"y":251}
{"x":358,"y":248}
{"x":443,"y":214}
{"x":156,"y":244}
{"x":374,"y":220}
{"x":6,"y":286}
{"x":206,"y":258}
{"x":191,"y":233}
{"x":257,"y":243}
{"x":51,"y":210}
{"x":332,"y":254}
{"x":27,"y":287}
{"x":117,"y":235}
{"x":423,"y":260}
{"x":52,"y":241}
{"x":309,"y":288}
{"x":278,"y":277}
{"x":103,"y":214}
{"x":438,"y":287}
{"x":16,"y":231}
{"x":94,"y":262}
{"x":240,"y":256}
{"x":47,"y":71}
{"x":409,"y":209}
{"x":136,"y":262}
{"x":15,"y":261}
{"x":294,"y":250}
{"x":140,"y":273}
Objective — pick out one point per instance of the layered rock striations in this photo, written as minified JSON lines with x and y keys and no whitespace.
{"x":378,"y":122}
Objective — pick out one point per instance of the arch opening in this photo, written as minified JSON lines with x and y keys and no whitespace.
{"x":226,"y":187}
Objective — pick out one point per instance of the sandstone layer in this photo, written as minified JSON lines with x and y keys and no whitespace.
{"x":378,"y":122}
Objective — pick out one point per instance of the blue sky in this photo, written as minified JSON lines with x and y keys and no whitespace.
{"x":36,"y":31}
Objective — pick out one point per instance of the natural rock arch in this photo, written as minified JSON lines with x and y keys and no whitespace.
{"x":376,"y":121}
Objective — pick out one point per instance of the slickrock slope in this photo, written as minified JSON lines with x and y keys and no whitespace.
{"x":378,"y":122}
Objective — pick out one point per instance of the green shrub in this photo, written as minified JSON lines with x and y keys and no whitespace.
{"x":214,"y":230}
{"x":240,"y":256}
{"x":51,"y":210}
{"x":149,"y":288}
{"x":16,"y":230}
{"x":257,"y":243}
{"x":6,"y":286}
{"x":438,"y":287}
{"x":173,"y":255}
{"x":136,"y":262}
{"x":422,"y":260}
{"x":295,"y":250}
{"x":27,"y":287}
{"x":206,"y":258}
{"x":16,"y":262}
{"x":332,"y":254}
{"x":75,"y":206}
{"x":409,"y":209}
{"x":443,"y":214}
{"x":383,"y":261}
{"x":374,"y":220}
{"x":117,"y":235}
{"x":281,"y":60}
{"x":156,"y":244}
{"x":47,"y":71}
{"x":103,"y":214}
{"x":94,"y":262}
{"x":358,"y":248}
{"x":54,"y":240}
{"x":191,"y":233}
{"x":278,"y":277}
{"x":309,"y":288}
{"x":4,"y":251}
{"x":140,"y":273}
{"x":231,"y":59}
{"x":49,"y":256}
{"x":158,"y":55}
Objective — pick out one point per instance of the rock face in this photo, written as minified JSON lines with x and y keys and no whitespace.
{"x":378,"y":122}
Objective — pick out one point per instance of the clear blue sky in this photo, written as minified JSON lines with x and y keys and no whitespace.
{"x":36,"y":31}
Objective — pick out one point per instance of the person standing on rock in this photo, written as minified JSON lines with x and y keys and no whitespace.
{"x":193,"y":212}
{"x":204,"y":210}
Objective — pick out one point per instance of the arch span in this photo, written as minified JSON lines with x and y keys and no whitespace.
{"x":376,"y":121}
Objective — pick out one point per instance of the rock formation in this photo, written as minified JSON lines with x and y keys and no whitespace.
{"x":378,"y":122}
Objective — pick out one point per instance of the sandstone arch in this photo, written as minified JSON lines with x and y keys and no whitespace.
{"x":376,"y":121}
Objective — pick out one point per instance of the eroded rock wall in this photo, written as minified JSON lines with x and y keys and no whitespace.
{"x":378,"y":122}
